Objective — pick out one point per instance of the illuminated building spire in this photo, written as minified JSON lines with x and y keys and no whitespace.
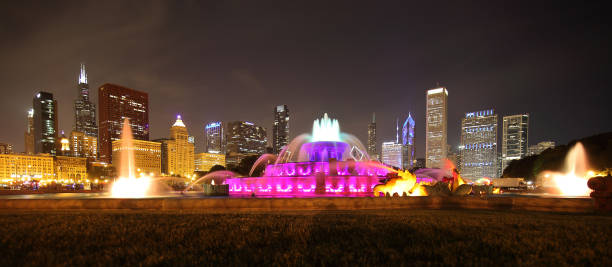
{"x":397,"y":130}
{"x":83,"y":75}
{"x":178,"y":122}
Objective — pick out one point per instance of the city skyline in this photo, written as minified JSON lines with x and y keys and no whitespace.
{"x":513,"y":78}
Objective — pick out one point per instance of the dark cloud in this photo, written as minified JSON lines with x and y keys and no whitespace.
{"x":236,"y":60}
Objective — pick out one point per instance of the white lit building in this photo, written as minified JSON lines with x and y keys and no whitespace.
{"x":392,"y":154}
{"x":514,"y":138}
{"x":479,"y":144}
{"x":436,"y":127}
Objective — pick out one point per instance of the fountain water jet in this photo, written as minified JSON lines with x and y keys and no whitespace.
{"x":128,"y":185}
{"x":573,"y":181}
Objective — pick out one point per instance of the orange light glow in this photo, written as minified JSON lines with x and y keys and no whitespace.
{"x":405,"y":183}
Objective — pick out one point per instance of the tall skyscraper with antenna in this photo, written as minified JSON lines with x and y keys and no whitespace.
{"x":84,"y":110}
{"x":372,"y":138}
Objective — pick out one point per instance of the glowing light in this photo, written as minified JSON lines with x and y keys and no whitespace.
{"x":437,"y":91}
{"x":127,"y":185}
{"x":131,"y":187}
{"x":178,"y":122}
{"x":325,"y":129}
{"x":83,"y":75}
{"x":573,"y":182}
{"x":405,"y":183}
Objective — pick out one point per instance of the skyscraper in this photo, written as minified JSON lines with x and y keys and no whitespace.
{"x":540,"y":147}
{"x":514,"y":138}
{"x":245,"y":137}
{"x":82,"y":145}
{"x":84,"y":110}
{"x":116,"y":103}
{"x":45,"y":123}
{"x":215,"y":138}
{"x":436,"y":127}
{"x":392,"y":154}
{"x":29,"y":133}
{"x":408,"y":143}
{"x":280,"y":130}
{"x":479,"y":144}
{"x":179,"y":157}
{"x":6,"y":148}
{"x":372,"y":138}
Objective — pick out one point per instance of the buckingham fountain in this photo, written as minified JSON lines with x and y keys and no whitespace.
{"x":324,"y":163}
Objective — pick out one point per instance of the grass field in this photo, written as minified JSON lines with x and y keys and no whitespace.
{"x":394,"y":237}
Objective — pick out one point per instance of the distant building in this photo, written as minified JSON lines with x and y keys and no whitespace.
{"x":18,"y":167}
{"x":45,"y":123}
{"x":6,"y":148}
{"x":84,"y":110}
{"x":392,"y":154}
{"x":63,"y":146}
{"x":177,"y":151}
{"x":29,"y":133}
{"x":280,"y":129}
{"x":479,"y":144}
{"x":436,"y":127}
{"x":419,"y":163}
{"x":540,"y":147}
{"x":514,"y":138}
{"x":147,"y":155}
{"x":215,"y":138}
{"x":70,"y":169}
{"x":82,"y":145}
{"x":116,"y":103}
{"x":408,"y":143}
{"x":245,"y":138}
{"x":205,"y":161}
{"x":372,"y":138}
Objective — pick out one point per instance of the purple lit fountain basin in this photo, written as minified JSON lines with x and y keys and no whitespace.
{"x":343,"y":168}
{"x":304,"y":186}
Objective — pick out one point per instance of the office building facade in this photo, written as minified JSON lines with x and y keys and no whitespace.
{"x":392,"y":154}
{"x":6,"y":148}
{"x":116,"y":103}
{"x":479,"y":144}
{"x":280,"y":129}
{"x":84,"y":110}
{"x":83,"y":145}
{"x":245,"y":137}
{"x":45,"y":123}
{"x":177,"y":151}
{"x":540,"y":147}
{"x":29,"y":133}
{"x":515,"y":129}
{"x":147,"y":155}
{"x":215,"y":138}
{"x":436,"y":127}
{"x":372,"y":151}
{"x":205,"y":161}
{"x":18,"y":167}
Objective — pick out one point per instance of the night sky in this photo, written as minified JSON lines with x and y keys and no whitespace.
{"x":236,"y":60}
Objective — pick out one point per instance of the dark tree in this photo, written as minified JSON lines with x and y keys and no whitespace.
{"x":216,"y":168}
{"x":598,"y":149}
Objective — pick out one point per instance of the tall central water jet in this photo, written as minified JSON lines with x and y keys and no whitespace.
{"x":128,"y":185}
